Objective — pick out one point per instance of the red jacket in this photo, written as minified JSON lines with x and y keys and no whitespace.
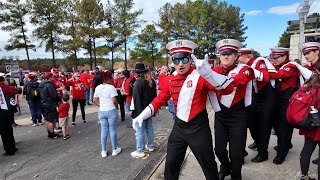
{"x":313,"y":67}
{"x":64,"y":110}
{"x":118,"y":82}
{"x":161,"y":78}
{"x":127,"y":89}
{"x":288,"y":74}
{"x":261,"y":66}
{"x":84,"y":78}
{"x":78,"y":89}
{"x":189,"y":98}
{"x":241,"y":79}
{"x":91,"y":76}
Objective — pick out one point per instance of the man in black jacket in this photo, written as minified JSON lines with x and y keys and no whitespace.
{"x":49,"y":102}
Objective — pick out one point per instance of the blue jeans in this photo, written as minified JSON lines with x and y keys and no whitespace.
{"x":128,"y":109}
{"x":146,"y":125}
{"x":35,"y":110}
{"x":87,"y":94}
{"x":108,"y":121}
{"x":171,"y":109}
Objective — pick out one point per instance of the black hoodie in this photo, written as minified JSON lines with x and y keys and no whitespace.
{"x":48,"y":95}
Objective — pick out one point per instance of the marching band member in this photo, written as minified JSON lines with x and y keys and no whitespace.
{"x":264,"y":102}
{"x":286,"y":84}
{"x":189,"y":92}
{"x":230,"y":118}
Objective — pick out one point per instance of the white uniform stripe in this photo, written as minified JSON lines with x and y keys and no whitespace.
{"x":186,"y":96}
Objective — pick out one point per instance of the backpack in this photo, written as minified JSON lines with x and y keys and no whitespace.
{"x":33,"y":90}
{"x":298,"y":111}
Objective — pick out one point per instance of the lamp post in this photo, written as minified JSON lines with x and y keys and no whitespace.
{"x":302,"y":10}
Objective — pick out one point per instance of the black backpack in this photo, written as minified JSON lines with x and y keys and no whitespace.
{"x":33,"y":90}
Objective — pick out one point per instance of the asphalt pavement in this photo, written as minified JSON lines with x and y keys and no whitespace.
{"x":79,"y":157}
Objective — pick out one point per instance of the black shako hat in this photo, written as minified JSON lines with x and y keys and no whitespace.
{"x":140,"y":67}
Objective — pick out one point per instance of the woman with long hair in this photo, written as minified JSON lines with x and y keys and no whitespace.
{"x":144,"y":91}
{"x":105,"y":97}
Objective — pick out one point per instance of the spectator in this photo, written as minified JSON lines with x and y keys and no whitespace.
{"x":78,"y":92}
{"x":64,"y":116}
{"x":144,"y":91}
{"x":31,"y":91}
{"x":6,"y":115}
{"x":84,"y":78}
{"x":105,"y":98}
{"x":91,"y":76}
{"x":127,"y":91}
{"x":49,"y":102}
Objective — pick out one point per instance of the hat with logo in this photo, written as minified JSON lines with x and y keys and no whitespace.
{"x":278,"y":51}
{"x":245,"y":51}
{"x":181,"y":46}
{"x":309,"y":46}
{"x":226,"y":46}
{"x":54,"y":70}
{"x":139,"y":68}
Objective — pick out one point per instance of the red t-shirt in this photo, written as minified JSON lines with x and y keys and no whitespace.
{"x":84,"y":77}
{"x":91,"y":76}
{"x":78,"y":89}
{"x":64,"y":109}
{"x":127,"y":89}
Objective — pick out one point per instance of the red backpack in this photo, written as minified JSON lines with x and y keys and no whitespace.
{"x":298,"y":112}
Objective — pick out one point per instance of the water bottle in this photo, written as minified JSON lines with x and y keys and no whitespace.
{"x":315,"y":116}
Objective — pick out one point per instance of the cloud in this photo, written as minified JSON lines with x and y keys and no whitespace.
{"x":283,"y":10}
{"x":253,"y":12}
{"x":315,"y":7}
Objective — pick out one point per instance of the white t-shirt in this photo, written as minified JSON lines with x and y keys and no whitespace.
{"x":105,"y":92}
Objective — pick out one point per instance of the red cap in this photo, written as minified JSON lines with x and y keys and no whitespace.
{"x":54,"y":70}
{"x":31,"y":76}
{"x":48,"y":75}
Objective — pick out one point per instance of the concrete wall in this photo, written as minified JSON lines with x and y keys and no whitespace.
{"x":294,"y":47}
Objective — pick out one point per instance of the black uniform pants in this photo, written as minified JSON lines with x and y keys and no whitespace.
{"x":305,"y":155}
{"x":230,"y":126}
{"x":265,"y":105}
{"x":121,"y":101}
{"x":252,"y":121}
{"x":285,"y":129}
{"x":197,"y":135}
{"x":75,"y":103}
{"x":6,"y":131}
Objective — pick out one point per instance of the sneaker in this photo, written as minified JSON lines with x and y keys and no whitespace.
{"x":68,"y":135}
{"x":65,"y":138}
{"x":73,"y":124}
{"x":34,"y":125}
{"x":103,"y":154}
{"x":136,"y":154}
{"x":84,"y":122}
{"x":149,"y":149}
{"x":116,"y":152}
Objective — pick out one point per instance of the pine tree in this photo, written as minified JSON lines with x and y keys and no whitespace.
{"x":12,"y":15}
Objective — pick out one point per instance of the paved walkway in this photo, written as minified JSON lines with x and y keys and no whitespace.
{"x":289,"y":170}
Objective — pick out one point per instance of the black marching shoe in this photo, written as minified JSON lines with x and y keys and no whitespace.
{"x":316,"y":161}
{"x":278,"y":160}
{"x":223,"y":174}
{"x":252,"y":146}
{"x":10,"y":153}
{"x":260,"y":158}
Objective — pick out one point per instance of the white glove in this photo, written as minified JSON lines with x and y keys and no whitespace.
{"x":306,"y":73}
{"x":258,"y":74}
{"x":217,"y":80}
{"x":145,"y":114}
{"x":137,"y":121}
{"x":202,"y":66}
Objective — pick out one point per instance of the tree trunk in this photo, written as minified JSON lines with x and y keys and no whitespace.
{"x":125,"y":52}
{"x":90,"y":52}
{"x":52,"y":48}
{"x":112,"y":62}
{"x":94,"y":52}
{"x":25,"y":45}
{"x":75,"y":59}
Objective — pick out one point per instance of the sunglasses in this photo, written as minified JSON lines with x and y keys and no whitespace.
{"x":184,"y":60}
{"x":307,"y":52}
{"x":275,"y":56}
{"x":226,"y":52}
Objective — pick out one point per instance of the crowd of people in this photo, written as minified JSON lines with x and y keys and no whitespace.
{"x":245,"y":92}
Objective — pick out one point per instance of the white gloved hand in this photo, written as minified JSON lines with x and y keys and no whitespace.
{"x":137,"y":121}
{"x":306,"y":73}
{"x":202,"y":66}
